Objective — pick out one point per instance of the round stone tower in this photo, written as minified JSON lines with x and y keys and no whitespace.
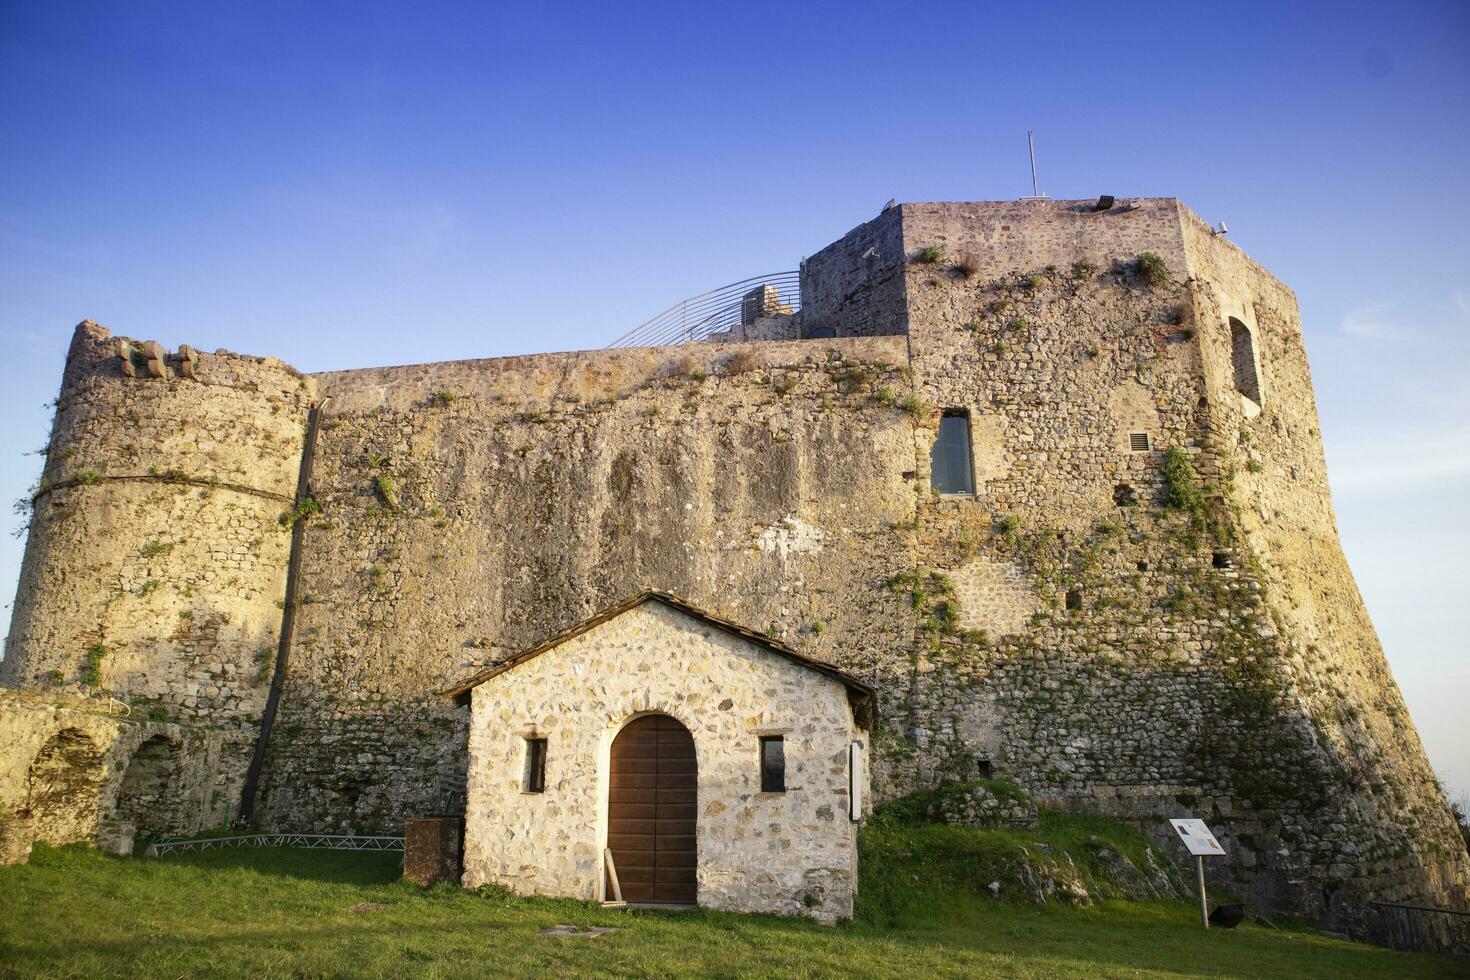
{"x":155,"y":566}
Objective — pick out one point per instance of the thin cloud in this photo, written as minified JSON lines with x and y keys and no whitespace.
{"x":1369,"y":467}
{"x":1371,"y":321}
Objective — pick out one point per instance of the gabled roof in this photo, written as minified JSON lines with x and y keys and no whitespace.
{"x":862,"y":697}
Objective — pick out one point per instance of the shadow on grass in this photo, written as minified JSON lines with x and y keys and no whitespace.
{"x":333,"y":867}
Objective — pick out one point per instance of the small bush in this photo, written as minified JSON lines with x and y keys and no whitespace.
{"x":387,"y":491}
{"x":305,"y":507}
{"x":1082,"y":269}
{"x":1182,"y":492}
{"x":1007,"y":525}
{"x":929,"y":254}
{"x":149,"y":587}
{"x":88,"y":477}
{"x":92,"y":667}
{"x":1151,"y":269}
{"x":444,"y":398}
{"x":155,"y":548}
{"x":741,"y":362}
{"x":965,"y":268}
{"x":916,"y":407}
{"x":883,"y":396}
{"x":1032,"y":281}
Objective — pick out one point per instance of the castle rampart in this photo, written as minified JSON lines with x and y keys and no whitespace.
{"x":156,"y":559}
{"x":1133,"y":601}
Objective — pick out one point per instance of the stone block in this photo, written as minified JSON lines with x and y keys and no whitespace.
{"x":431,"y":849}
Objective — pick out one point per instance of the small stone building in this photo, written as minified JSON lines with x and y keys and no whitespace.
{"x":657,"y":751}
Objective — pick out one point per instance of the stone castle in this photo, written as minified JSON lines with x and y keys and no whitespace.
{"x":1046,"y":475}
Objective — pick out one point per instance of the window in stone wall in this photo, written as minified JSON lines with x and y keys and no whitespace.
{"x":951,"y":468}
{"x":535,"y":781}
{"x":1243,"y":359}
{"x":1138,"y":442}
{"x":773,"y":764}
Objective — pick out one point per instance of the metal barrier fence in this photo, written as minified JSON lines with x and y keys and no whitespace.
{"x":332,"y":842}
{"x":719,"y":309}
{"x":1405,"y":926}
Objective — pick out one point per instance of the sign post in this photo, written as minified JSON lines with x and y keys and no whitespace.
{"x":1201,"y":842}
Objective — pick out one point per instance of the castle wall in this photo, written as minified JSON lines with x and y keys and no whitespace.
{"x":156,"y":561}
{"x":1393,"y":838}
{"x":1118,"y":627}
{"x":855,"y":286}
{"x":68,"y":766}
{"x":471,"y":509}
{"x":1163,"y":670}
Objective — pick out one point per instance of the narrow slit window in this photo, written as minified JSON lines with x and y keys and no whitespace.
{"x":773,"y":764}
{"x":1243,"y":360}
{"x":1138,"y":442}
{"x":535,"y":765}
{"x":951,"y":470}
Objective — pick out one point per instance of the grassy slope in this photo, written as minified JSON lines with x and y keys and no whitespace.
{"x":280,"y":913}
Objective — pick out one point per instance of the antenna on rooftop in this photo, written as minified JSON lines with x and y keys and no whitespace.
{"x":1036,"y":195}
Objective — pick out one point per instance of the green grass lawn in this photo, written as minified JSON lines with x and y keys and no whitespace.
{"x":295,"y":913}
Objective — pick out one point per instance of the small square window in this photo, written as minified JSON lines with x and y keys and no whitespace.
{"x":1138,"y":442}
{"x":535,"y":781}
{"x":773,"y":764}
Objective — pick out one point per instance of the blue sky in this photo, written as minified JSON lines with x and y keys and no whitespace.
{"x":348,"y":185}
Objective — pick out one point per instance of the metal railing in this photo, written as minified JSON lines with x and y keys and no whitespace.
{"x":1402,"y":925}
{"x":719,"y":309}
{"x":332,"y":842}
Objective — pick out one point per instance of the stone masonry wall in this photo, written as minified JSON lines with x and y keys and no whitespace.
{"x":855,"y":285}
{"x":1143,"y":609}
{"x":1391,"y":835}
{"x":68,"y":764}
{"x":727,"y":691}
{"x":469,"y":510}
{"x":1163,"y":670}
{"x":156,"y":560}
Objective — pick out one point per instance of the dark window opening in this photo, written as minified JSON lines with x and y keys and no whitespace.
{"x":535,"y":765}
{"x":1243,"y":359}
{"x":950,"y":467}
{"x":1220,"y":560}
{"x":1138,"y":442}
{"x":987,"y":771}
{"x":821,"y":333}
{"x":1124,"y":496}
{"x":773,"y":764}
{"x":1074,"y":599}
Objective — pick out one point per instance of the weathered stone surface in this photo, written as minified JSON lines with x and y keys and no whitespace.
{"x":1063,"y":627}
{"x":70,"y":772}
{"x":792,"y":853}
{"x":431,"y":849}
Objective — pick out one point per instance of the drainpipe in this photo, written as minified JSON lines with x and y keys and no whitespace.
{"x":288,"y":618}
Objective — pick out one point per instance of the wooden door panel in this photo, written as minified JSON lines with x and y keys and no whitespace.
{"x":652,"y":811}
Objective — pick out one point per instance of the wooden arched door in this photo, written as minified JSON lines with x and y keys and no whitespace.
{"x":652,"y":795}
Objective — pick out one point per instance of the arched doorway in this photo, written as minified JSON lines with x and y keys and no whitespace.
{"x":652,"y":796}
{"x":62,"y":788}
{"x":148,"y":798}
